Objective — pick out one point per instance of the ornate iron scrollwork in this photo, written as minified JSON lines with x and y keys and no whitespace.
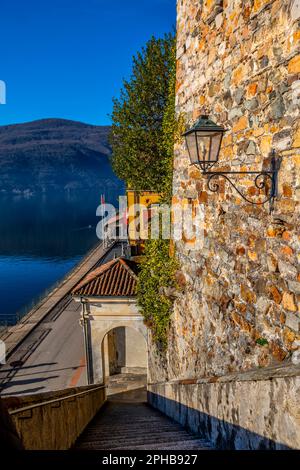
{"x":265,"y":179}
{"x":213,"y":186}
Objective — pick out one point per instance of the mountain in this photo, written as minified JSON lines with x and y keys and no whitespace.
{"x":54,"y":154}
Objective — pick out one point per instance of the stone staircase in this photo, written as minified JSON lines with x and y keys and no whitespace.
{"x":128,"y":423}
{"x":125,"y":382}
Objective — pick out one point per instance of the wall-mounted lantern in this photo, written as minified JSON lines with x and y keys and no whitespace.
{"x":203,"y":142}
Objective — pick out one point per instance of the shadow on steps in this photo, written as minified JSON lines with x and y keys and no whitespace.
{"x":127,"y":422}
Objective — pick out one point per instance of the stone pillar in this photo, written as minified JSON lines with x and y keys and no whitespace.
{"x":97,"y":351}
{"x":106,"y":357}
{"x":87,"y":341}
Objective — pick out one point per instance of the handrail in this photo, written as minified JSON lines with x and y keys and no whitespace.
{"x":49,"y":402}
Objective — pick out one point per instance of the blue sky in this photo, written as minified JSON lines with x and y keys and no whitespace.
{"x":67,"y":58}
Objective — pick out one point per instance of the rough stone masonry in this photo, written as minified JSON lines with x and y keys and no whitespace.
{"x":239,"y":305}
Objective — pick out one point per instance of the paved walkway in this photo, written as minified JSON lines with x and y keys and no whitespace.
{"x":12,"y":336}
{"x":52,"y":357}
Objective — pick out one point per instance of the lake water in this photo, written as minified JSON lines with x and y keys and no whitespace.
{"x":42,"y":237}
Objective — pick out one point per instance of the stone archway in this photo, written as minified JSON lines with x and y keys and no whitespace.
{"x":108,"y":298}
{"x":124,"y":351}
{"x":108,"y":315}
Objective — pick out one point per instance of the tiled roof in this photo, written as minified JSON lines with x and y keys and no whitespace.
{"x":115,"y":278}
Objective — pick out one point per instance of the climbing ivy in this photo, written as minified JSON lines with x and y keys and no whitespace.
{"x":156,"y":277}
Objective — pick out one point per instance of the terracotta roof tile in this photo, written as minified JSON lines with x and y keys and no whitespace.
{"x":115,"y":278}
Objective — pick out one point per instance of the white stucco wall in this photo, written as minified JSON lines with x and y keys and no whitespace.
{"x":136,"y":349}
{"x":104,"y":316}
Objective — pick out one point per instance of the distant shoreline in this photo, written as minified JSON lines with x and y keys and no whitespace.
{"x":101,"y":186}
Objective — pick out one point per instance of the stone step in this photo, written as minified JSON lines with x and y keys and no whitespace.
{"x":124,"y":376}
{"x":134,"y":429}
{"x":124,"y":382}
{"x":133,"y":442}
{"x":131,"y":438}
{"x":135,"y":425}
{"x":127,"y":377}
{"x":134,"y":370}
{"x":181,"y":445}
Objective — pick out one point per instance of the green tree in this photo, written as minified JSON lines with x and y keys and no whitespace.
{"x":169,"y":128}
{"x":157,"y":275}
{"x":137,"y":135}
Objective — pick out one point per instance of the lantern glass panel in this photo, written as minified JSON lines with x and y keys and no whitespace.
{"x":216,"y":140}
{"x":192,"y":147}
{"x":203,"y":143}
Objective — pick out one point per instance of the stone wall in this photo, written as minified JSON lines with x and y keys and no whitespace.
{"x":136,"y":350}
{"x":239,"y":305}
{"x":115,"y":350}
{"x":240,"y":411}
{"x":54,"y":420}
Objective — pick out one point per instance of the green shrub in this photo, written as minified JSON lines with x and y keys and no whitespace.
{"x":156,"y":276}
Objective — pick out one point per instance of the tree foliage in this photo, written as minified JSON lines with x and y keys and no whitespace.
{"x":158,"y":269}
{"x":169,"y":125}
{"x":139,"y":156}
{"x":142,"y":138}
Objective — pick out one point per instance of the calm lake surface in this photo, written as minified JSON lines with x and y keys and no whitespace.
{"x":42,"y":237}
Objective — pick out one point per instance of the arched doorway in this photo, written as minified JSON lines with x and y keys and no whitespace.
{"x":124,"y":359}
{"x":124,"y":350}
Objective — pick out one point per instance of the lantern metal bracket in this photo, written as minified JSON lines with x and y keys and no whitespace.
{"x":264,"y":179}
{"x":203,"y":142}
